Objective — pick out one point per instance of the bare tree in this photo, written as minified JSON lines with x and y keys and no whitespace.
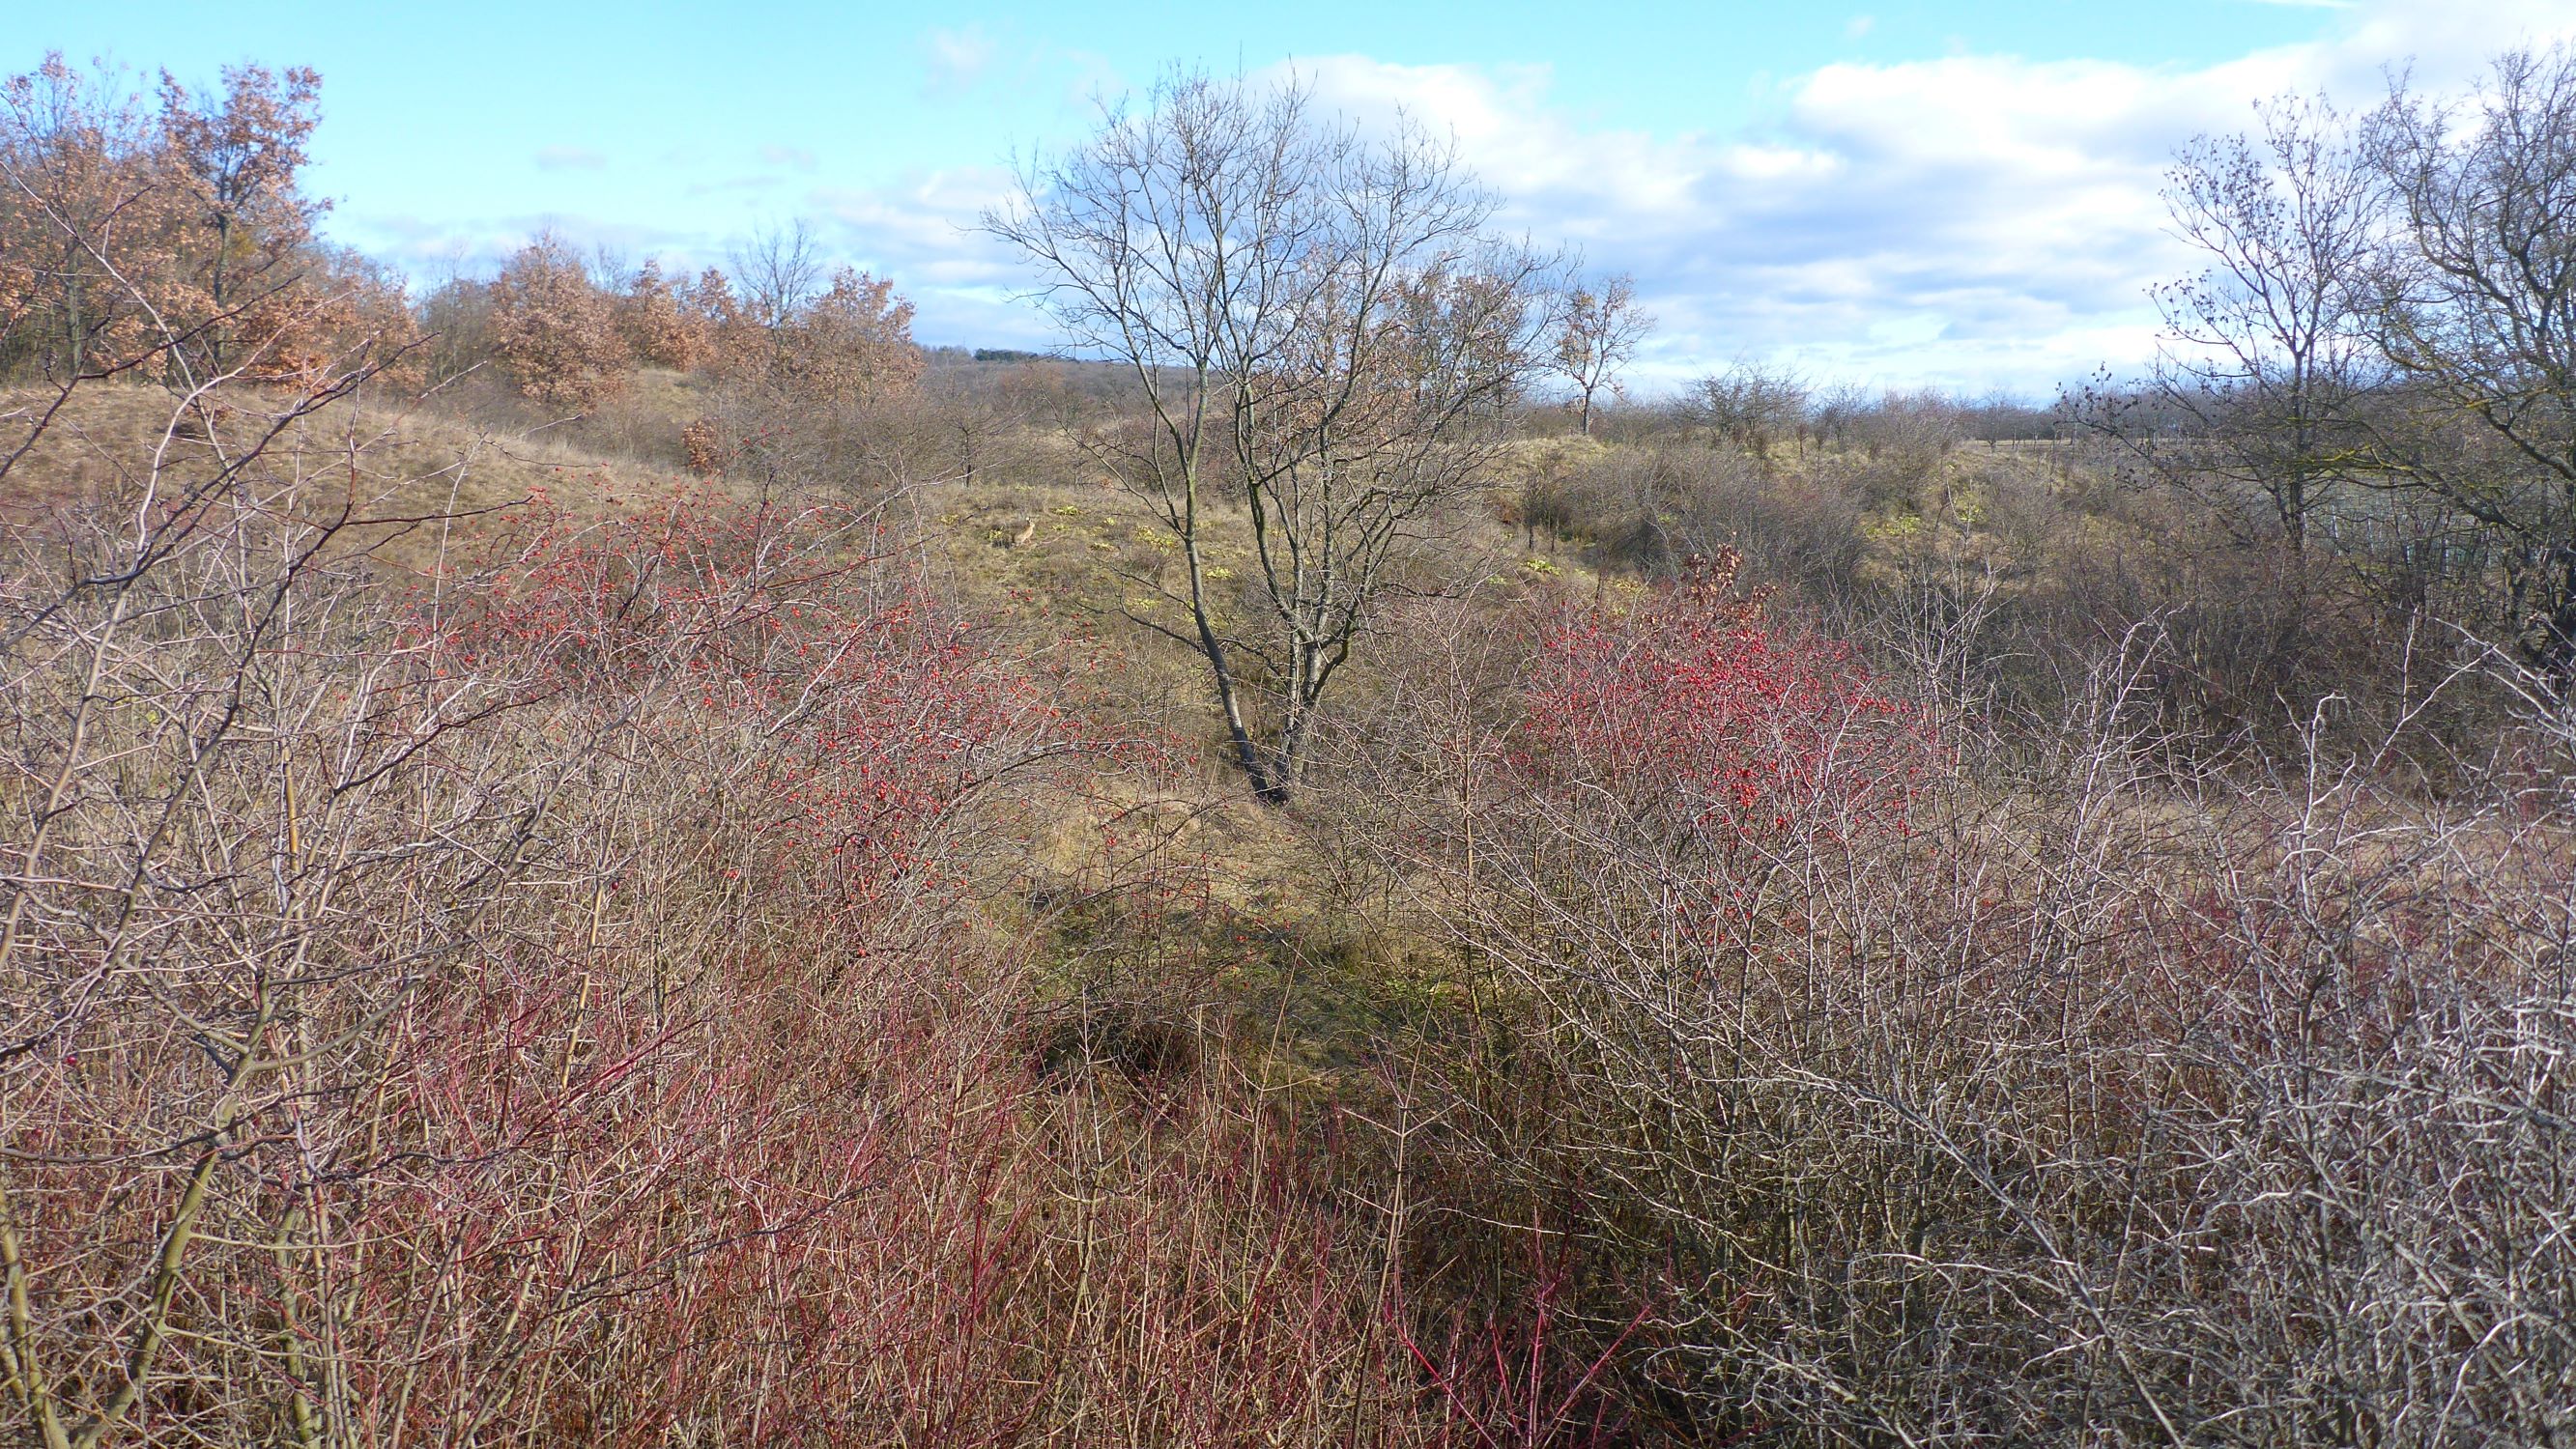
{"x":2473,"y":312}
{"x":2260,"y":368}
{"x":1829,"y":413}
{"x":1999,"y":417}
{"x":1910,"y":432}
{"x":1603,"y":326}
{"x":1749,"y":405}
{"x":780,"y":272}
{"x":1321,"y":331}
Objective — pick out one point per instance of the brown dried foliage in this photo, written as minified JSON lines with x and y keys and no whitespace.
{"x":556,"y":332}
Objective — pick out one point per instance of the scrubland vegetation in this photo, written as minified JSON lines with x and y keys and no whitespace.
{"x":598,"y":858}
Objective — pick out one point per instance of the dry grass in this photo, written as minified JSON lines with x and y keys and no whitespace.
{"x":639,"y":1097}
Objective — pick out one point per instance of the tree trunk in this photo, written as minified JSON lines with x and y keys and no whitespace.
{"x":72,"y":323}
{"x":1247,"y":755}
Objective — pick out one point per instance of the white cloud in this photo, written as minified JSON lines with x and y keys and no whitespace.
{"x":924,"y":233}
{"x":957,"y":59}
{"x":1970,"y":220}
{"x":1964,"y":220}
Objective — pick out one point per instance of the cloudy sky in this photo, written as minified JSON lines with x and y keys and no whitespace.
{"x":1884,"y":193}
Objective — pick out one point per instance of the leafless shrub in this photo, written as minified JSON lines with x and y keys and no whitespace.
{"x":2091,"y":1099}
{"x":1651,"y":509}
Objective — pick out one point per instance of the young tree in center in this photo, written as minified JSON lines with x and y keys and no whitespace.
{"x":1322,"y":331}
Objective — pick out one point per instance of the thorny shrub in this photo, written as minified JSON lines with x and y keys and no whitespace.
{"x":1962,"y":1101}
{"x":549,"y":1001}
{"x":827,"y":705}
{"x":1696,"y":709}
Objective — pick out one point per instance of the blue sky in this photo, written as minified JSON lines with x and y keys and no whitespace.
{"x":1896,"y":193}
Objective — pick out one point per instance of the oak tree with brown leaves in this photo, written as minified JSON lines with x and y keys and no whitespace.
{"x":77,"y":151}
{"x":657,"y":324}
{"x":557,"y":333}
{"x":170,"y":236}
{"x":248,"y":230}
